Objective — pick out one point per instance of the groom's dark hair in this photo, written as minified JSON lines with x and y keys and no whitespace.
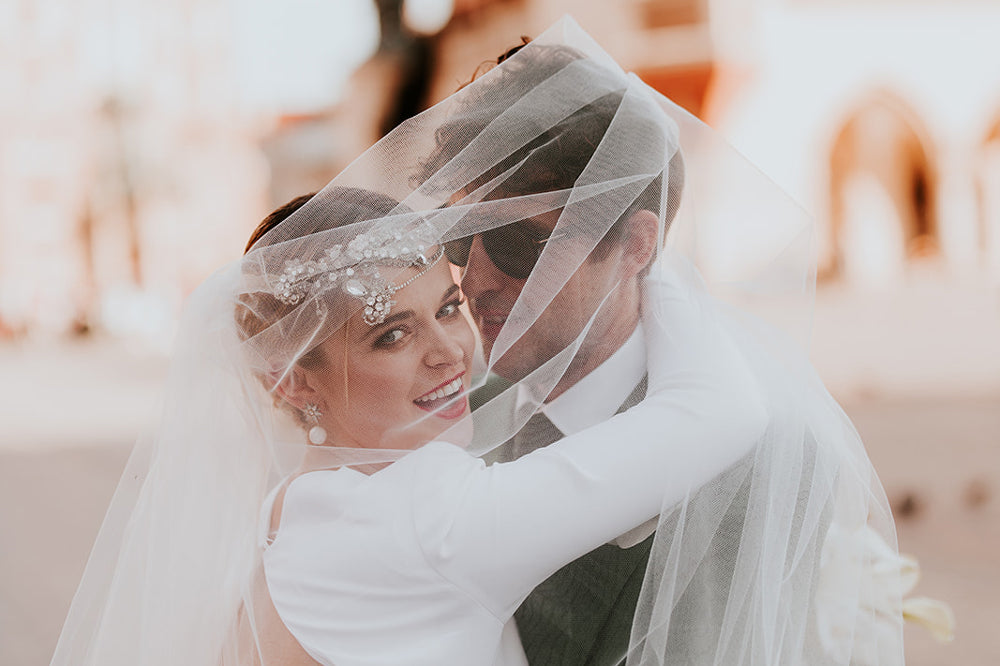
{"x":555,"y":158}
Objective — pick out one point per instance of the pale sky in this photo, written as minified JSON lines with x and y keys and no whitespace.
{"x":285,"y":56}
{"x":298,"y":54}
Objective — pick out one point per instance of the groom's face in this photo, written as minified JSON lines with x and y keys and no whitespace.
{"x":492,"y":293}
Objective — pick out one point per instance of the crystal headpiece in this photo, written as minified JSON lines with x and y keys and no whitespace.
{"x":354,"y":268}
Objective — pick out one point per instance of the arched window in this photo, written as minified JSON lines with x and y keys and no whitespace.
{"x":882,"y":193}
{"x":988,"y":186}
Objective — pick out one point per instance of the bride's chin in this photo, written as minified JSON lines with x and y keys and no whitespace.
{"x":457,"y":431}
{"x":408,"y":439}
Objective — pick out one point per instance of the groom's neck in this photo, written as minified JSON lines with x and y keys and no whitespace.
{"x":600,"y":344}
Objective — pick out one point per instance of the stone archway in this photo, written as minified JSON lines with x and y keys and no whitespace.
{"x":882,"y":188}
{"x":988,"y":186}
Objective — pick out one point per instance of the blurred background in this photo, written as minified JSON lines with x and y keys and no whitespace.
{"x":142,"y":140}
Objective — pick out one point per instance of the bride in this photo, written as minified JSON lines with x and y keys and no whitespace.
{"x":315,"y":489}
{"x":422,"y":561}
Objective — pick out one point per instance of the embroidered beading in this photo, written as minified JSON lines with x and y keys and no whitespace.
{"x":355,"y":269}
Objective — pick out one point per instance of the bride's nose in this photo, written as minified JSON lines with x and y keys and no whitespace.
{"x":444,"y":346}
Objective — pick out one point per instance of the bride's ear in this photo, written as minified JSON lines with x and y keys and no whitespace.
{"x":643,"y":233}
{"x":295,"y":389}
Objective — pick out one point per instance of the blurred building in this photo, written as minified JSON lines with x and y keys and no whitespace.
{"x":881,"y":119}
{"x":125,"y":162}
{"x":883,"y":122}
{"x":130,"y":167}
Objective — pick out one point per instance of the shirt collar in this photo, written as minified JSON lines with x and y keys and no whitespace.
{"x":597,"y":397}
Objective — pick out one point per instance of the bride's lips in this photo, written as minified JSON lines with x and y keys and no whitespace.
{"x":442,"y":400}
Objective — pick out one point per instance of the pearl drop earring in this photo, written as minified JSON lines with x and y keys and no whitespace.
{"x":317,"y":434}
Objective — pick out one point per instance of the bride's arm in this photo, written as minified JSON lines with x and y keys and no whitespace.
{"x":509,"y":526}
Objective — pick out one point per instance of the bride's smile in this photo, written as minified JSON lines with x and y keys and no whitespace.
{"x":439,"y":400}
{"x":402,"y":382}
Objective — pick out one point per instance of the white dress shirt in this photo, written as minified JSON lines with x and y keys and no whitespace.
{"x":597,"y":397}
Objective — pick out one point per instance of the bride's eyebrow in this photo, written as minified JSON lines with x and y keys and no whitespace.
{"x":392,"y":319}
{"x":405,"y":314}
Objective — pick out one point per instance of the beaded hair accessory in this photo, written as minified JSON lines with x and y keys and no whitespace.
{"x":354,"y":268}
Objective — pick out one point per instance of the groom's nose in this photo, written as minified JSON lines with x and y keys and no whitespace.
{"x":481,"y":276}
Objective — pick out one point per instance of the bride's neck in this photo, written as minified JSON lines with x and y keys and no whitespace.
{"x":323,"y":458}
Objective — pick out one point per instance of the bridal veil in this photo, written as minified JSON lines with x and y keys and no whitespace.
{"x":772,"y":562}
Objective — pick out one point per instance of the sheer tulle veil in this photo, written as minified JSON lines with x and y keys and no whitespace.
{"x":769,"y":563}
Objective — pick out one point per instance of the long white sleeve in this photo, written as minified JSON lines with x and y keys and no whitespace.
{"x":509,"y":526}
{"x":427,"y":558}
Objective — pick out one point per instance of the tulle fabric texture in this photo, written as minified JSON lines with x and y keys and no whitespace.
{"x":769,"y":563}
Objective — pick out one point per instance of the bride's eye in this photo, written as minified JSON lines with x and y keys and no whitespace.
{"x":450,"y":308}
{"x":389,"y":338}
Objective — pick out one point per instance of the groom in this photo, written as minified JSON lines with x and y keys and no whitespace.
{"x":581,"y":615}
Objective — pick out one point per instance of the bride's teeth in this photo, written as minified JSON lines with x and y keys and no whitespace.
{"x":449,"y":389}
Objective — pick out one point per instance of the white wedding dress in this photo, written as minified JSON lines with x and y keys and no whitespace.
{"x":425,"y":561}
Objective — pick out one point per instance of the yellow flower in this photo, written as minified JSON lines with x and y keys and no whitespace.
{"x":935,"y":616}
{"x":860,"y":600}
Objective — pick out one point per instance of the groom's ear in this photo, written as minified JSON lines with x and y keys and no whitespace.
{"x":640,"y":244}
